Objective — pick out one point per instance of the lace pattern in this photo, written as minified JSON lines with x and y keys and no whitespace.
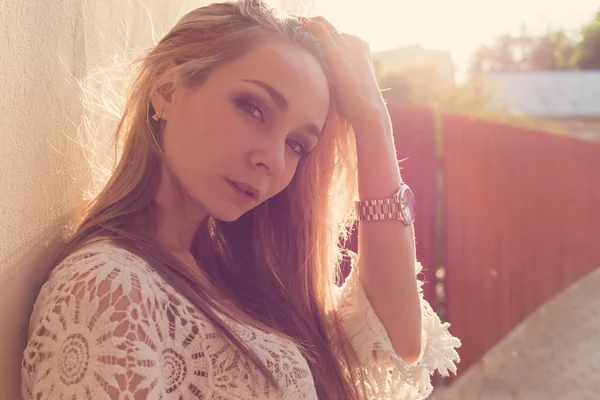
{"x":388,"y":376}
{"x":106,"y":325}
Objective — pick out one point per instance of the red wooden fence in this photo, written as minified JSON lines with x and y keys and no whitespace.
{"x":522,"y":222}
{"x":520,"y":213}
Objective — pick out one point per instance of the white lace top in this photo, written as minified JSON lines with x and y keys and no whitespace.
{"x":106,"y":325}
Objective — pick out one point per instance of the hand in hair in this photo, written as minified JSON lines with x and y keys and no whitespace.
{"x":355,"y":86}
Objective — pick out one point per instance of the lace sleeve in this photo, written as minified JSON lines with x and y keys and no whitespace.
{"x":388,"y":376}
{"x":94,"y":333}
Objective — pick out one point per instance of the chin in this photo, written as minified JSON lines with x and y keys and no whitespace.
{"x":227,"y":215}
{"x":225,"y":219}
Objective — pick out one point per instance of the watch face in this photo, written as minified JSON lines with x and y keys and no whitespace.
{"x":408,"y":203}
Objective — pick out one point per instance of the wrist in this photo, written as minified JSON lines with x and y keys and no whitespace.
{"x":374,"y":117}
{"x":374,"y":135}
{"x":376,"y":157}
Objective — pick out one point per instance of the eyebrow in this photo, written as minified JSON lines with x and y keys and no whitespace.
{"x":282,"y":103}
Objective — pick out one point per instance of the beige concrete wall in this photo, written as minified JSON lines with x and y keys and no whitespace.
{"x":45,"y":49}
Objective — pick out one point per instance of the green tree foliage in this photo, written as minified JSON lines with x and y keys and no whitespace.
{"x":426,"y":83}
{"x":553,"y":50}
{"x":587,"y":54}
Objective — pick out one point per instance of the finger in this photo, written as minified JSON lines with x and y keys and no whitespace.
{"x":298,"y":17}
{"x":333,"y":31}
{"x":338,"y":37}
{"x":321,"y":32}
{"x":357,"y":42}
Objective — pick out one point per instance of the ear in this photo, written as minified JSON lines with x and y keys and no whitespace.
{"x":163,"y":96}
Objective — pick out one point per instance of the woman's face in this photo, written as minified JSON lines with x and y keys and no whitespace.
{"x":236,"y":140}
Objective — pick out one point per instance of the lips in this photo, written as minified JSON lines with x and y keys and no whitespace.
{"x":246,"y":188}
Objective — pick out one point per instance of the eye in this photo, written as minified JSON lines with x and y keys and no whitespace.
{"x":297,"y":147}
{"x":251,"y":107}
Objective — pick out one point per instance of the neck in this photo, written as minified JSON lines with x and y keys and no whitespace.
{"x":178,"y":217}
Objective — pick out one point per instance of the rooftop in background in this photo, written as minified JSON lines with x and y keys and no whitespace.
{"x":548,"y":93}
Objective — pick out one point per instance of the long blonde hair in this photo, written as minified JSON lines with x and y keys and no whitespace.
{"x":277,"y":262}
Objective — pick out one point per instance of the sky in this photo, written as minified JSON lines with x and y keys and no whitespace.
{"x":459,"y":26}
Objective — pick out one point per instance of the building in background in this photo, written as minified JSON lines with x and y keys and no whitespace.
{"x":569,"y":98}
{"x":406,"y":56}
{"x":415,"y":75}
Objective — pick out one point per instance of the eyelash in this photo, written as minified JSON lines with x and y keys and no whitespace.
{"x":302,"y":150}
{"x":250,"y":106}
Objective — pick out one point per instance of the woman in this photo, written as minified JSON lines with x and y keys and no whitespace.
{"x":205,"y":268}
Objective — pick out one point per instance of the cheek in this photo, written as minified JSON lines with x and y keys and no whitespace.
{"x":209,"y":131}
{"x":181,"y":144}
{"x":185,"y":142}
{"x":281,"y":181}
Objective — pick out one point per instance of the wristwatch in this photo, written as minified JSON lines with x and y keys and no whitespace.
{"x":400,"y":206}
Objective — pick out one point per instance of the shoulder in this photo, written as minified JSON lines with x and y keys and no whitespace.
{"x":96,"y":282}
{"x":103,"y":261}
{"x":103,"y":322}
{"x":102,"y":278}
{"x":94,"y":272}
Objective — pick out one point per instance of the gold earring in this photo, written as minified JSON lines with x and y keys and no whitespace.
{"x":157,"y":116}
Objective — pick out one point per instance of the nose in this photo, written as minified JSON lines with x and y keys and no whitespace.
{"x":270,"y":155}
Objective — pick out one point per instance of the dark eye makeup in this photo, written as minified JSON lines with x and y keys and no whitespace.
{"x":254,"y":108}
